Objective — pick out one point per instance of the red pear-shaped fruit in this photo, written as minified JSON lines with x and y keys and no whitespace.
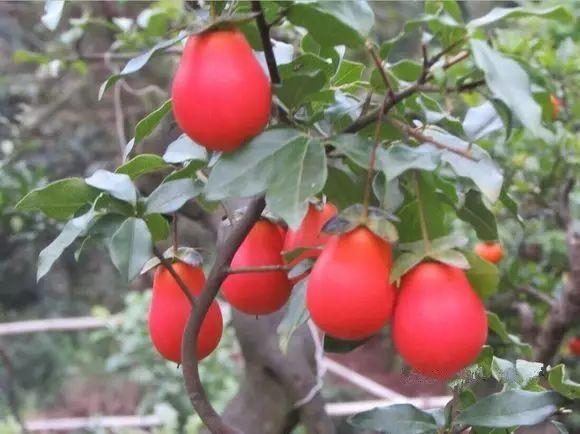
{"x":309,"y":233}
{"x":492,"y":252}
{"x":221,"y":96}
{"x":349,"y":295}
{"x":170,"y":310}
{"x":258,"y":293}
{"x":574,"y":345}
{"x":556,"y":106}
{"x":439,"y":324}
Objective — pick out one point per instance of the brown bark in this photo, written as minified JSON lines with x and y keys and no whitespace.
{"x":274,"y":382}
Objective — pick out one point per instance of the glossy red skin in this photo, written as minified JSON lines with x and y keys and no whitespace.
{"x":574,"y":345}
{"x":221,"y":96}
{"x":439,"y":324}
{"x":492,"y":252}
{"x":170,"y":310}
{"x":258,"y":293}
{"x":556,"y":105}
{"x":308,"y":234}
{"x":349,"y":295}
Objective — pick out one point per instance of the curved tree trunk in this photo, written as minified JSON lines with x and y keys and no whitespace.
{"x":274,"y":382}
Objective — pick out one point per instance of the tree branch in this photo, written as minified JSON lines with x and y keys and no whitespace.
{"x":426,"y":75}
{"x":225,"y":253}
{"x":542,"y":296}
{"x":266,"y":43}
{"x":217,"y":275}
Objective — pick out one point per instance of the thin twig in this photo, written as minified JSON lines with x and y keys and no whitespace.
{"x":537,"y":295}
{"x":427,"y":139}
{"x":119,"y":117}
{"x":422,"y":217}
{"x":258,"y":269}
{"x":169,"y":267}
{"x":373,"y":158}
{"x":174,"y":238}
{"x":381,"y":69}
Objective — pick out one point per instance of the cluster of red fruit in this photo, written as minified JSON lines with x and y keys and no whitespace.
{"x":439,"y":323}
{"x":221,"y":97}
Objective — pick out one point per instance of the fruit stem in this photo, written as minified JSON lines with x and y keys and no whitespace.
{"x":422,"y":220}
{"x":212,"y":10}
{"x":372,"y":160}
{"x":167,"y":264}
{"x":258,"y":269}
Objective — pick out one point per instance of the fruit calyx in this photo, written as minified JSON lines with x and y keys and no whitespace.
{"x":375,"y":219}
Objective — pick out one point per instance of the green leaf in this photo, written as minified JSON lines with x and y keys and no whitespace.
{"x":355,"y":147}
{"x":141,"y":164}
{"x":189,"y":170}
{"x":300,"y":174}
{"x":158,"y":226}
{"x":451,"y":257}
{"x":294,"y":316}
{"x":388,"y":194}
{"x":478,"y":216}
{"x":307,"y":63}
{"x":560,"y":382}
{"x":69,"y":233}
{"x":334,"y":23}
{"x":404,"y":263}
{"x":481,"y":121}
{"x":184,"y":149}
{"x":343,"y":187}
{"x":398,"y":158}
{"x":528,"y":371}
{"x":482,"y":275}
{"x":23,"y":56}
{"x":378,"y":222}
{"x":409,"y":226}
{"x":296,"y":89}
{"x":348,"y":73}
{"x":407,"y":70}
{"x":146,"y":125}
{"x":138,"y":62}
{"x":482,"y":170}
{"x":249,"y":169}
{"x":172,"y":195}
{"x":301,"y":267}
{"x":395,"y":419}
{"x":510,"y":83}
{"x":130,"y":247}
{"x":52,"y":13}
{"x":60,"y":199}
{"x":117,"y":185}
{"x":511,"y":205}
{"x":559,"y":13}
{"x":496,"y":325}
{"x":510,"y":408}
{"x":344,"y":110}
